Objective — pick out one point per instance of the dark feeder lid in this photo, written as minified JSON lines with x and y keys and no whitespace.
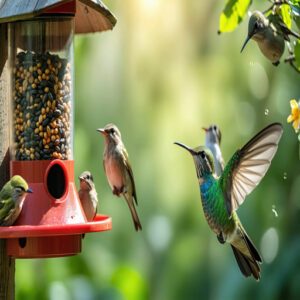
{"x":90,"y":15}
{"x":54,"y":233}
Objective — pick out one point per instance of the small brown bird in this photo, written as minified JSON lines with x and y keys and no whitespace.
{"x":270,"y":34}
{"x":88,"y":195}
{"x":118,"y":170}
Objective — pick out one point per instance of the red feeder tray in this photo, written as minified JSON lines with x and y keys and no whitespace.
{"x":52,"y":221}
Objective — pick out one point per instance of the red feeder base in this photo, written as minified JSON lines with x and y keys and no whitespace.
{"x":52,"y":221}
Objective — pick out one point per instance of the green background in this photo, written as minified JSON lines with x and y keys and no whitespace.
{"x":160,"y":75}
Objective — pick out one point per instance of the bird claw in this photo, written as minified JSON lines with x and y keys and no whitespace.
{"x":117,"y":191}
{"x":220,"y":238}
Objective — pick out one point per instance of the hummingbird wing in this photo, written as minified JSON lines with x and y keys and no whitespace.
{"x":249,"y":165}
{"x":280,"y":26}
{"x":130,"y":173}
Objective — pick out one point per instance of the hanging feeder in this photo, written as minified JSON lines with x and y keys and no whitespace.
{"x":52,"y":221}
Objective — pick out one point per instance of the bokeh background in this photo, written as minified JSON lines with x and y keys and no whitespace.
{"x":161,"y":75}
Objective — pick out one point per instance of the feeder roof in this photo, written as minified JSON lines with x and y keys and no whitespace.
{"x":91,"y":15}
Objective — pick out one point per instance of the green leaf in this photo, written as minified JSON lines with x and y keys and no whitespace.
{"x":285,"y":12}
{"x":294,"y":2}
{"x":233,"y":14}
{"x":297,"y":54}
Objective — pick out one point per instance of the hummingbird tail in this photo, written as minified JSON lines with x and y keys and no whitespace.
{"x":247,"y":256}
{"x":247,"y":266}
{"x":135,"y":217}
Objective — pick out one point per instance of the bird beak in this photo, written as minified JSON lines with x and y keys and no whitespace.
{"x":102,"y":131}
{"x":80,"y":178}
{"x":246,"y":42}
{"x":205,"y":129}
{"x":186,"y":148}
{"x":29,"y":191}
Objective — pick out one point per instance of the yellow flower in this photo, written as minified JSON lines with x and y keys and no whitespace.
{"x":295,"y":115}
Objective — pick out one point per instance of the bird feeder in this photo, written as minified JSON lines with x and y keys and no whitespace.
{"x":40,"y":35}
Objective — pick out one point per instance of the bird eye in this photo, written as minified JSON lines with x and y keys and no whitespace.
{"x":112,"y":131}
{"x":202,"y":154}
{"x":20,"y":188}
{"x":215,"y":127}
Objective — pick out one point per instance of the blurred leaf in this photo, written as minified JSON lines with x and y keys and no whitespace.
{"x":297,"y":53}
{"x":130,"y":283}
{"x":285,"y":12}
{"x":294,"y":2}
{"x":233,"y":14}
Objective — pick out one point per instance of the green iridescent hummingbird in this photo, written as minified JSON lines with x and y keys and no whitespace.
{"x":221,"y":196}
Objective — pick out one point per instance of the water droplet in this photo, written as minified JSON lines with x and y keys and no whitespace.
{"x":266,"y":112}
{"x":285,"y":175}
{"x":274,"y":211}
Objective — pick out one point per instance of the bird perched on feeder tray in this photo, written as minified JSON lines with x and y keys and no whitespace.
{"x":118,"y":170}
{"x":270,"y":33}
{"x":12,"y":197}
{"x":212,"y":142}
{"x":221,"y":197}
{"x":88,"y":195}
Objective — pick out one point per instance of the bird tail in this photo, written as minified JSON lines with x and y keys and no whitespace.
{"x":135,"y":217}
{"x":246,"y":255}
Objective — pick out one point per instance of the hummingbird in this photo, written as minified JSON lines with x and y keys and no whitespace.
{"x":212,"y":142}
{"x":12,"y":197}
{"x":270,"y":33}
{"x":118,"y":170}
{"x":221,"y":196}
{"x":88,"y":195}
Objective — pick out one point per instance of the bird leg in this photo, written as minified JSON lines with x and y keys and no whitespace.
{"x":118,"y":191}
{"x":220,"y":238}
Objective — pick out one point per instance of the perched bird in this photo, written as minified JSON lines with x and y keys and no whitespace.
{"x":269,"y":33}
{"x":12,"y":197}
{"x":221,"y":197}
{"x":212,"y":142}
{"x":88,"y":195}
{"x":118,"y":170}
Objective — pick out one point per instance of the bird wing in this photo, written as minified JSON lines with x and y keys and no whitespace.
{"x":248,"y":166}
{"x":279,"y":24}
{"x":129,"y":170}
{"x":7,"y":207}
{"x":6,"y":191}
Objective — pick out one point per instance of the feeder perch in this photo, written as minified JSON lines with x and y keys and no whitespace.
{"x":40,"y":42}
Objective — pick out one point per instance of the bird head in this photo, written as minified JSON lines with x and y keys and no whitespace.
{"x":257,"y":24}
{"x":86,"y":181}
{"x":203,"y":159}
{"x":111,"y":133}
{"x":19,"y":187}
{"x":213,"y":134}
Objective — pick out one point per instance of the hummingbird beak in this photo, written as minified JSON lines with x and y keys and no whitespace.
{"x":29,"y":191}
{"x":102,"y":131}
{"x":205,"y":129}
{"x":246,"y":42}
{"x":186,"y":148}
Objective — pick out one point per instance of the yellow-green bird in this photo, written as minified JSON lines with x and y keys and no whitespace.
{"x":118,"y":170}
{"x":12,"y":197}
